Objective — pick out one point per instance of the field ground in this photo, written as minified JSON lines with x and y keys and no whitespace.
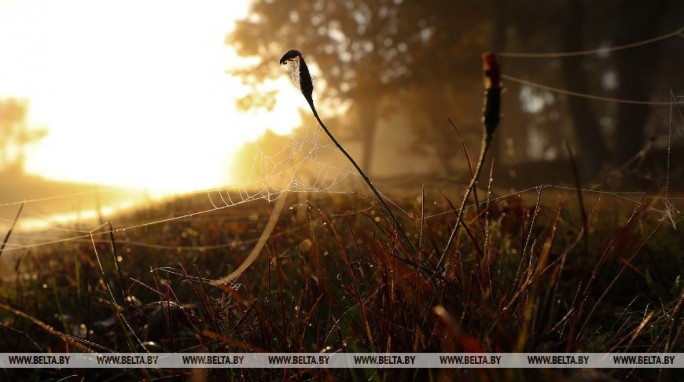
{"x":525,"y":273}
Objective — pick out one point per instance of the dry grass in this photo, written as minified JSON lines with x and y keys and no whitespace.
{"x":522,"y":276}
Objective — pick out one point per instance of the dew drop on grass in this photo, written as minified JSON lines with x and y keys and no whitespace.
{"x":377,"y":219}
{"x":119,"y":259}
{"x":305,"y":245}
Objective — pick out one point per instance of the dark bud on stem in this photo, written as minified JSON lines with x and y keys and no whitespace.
{"x":289,"y":56}
{"x":303,"y":76}
{"x":492,"y":83}
{"x":491,"y":71}
{"x":305,"y":81}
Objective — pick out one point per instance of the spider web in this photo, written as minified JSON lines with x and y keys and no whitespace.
{"x":307,"y":162}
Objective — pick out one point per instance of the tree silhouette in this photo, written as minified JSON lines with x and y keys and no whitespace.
{"x":372,"y":53}
{"x":636,"y":70}
{"x":421,"y":59}
{"x":15,"y":133}
{"x":588,"y":133}
{"x":603,"y":132}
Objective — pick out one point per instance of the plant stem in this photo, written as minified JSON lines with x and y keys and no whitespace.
{"x":491,"y":116}
{"x":365,"y":178}
{"x":9,"y":233}
{"x":483,"y":151}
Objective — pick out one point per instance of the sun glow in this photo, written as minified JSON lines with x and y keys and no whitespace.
{"x":132,"y":93}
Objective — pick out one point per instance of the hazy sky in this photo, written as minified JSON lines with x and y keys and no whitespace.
{"x":133,"y":93}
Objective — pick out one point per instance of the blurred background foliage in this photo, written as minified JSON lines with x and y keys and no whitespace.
{"x":16,"y":135}
{"x":413,"y":64}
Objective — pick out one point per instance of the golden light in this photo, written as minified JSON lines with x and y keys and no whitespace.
{"x":133,"y":93}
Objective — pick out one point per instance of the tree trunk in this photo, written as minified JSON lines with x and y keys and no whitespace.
{"x":636,"y":69}
{"x":590,"y":141}
{"x":368,"y":113}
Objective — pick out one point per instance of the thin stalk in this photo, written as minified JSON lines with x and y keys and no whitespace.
{"x":404,"y":236}
{"x":73,"y":341}
{"x":580,"y":198}
{"x":9,"y":233}
{"x":459,"y":219}
{"x":490,"y":121}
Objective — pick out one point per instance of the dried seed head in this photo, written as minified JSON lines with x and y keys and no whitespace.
{"x":491,"y":70}
{"x":290,"y":55}
{"x":299,"y":72}
{"x":492,"y":81}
